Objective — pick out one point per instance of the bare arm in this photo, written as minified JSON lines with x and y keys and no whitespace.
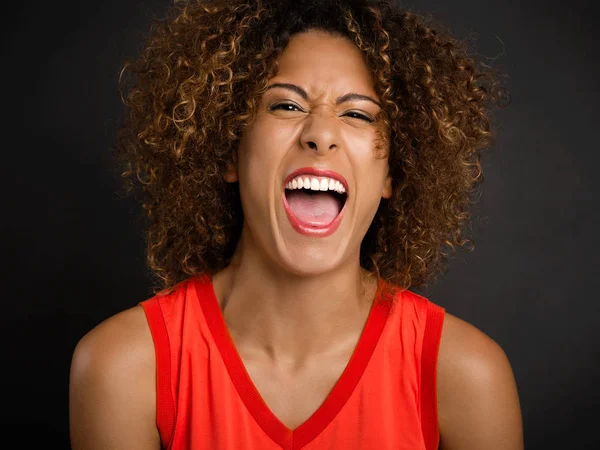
{"x":478,"y":403}
{"x":112,"y":393}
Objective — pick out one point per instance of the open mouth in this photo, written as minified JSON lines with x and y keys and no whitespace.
{"x":315,"y":208}
{"x":315,"y":205}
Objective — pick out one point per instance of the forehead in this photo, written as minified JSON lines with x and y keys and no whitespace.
{"x":322,"y":64}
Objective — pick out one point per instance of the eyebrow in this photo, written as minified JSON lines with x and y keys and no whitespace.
{"x":344,"y":98}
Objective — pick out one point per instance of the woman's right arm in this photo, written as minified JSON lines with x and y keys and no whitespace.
{"x":112,"y":388}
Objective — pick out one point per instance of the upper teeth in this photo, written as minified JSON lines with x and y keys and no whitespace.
{"x":316,"y":184}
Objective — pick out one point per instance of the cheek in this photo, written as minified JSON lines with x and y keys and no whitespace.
{"x":373,"y":174}
{"x":263,"y":147}
{"x":257,"y":166}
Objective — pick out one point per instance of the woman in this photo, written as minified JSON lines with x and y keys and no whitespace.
{"x":303,"y":164}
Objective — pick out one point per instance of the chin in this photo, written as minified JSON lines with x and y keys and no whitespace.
{"x":309,"y":261}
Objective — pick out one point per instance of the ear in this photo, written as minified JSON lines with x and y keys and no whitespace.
{"x":231,"y":174}
{"x":386,"y":191}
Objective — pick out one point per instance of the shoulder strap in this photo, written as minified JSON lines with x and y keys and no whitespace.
{"x":165,"y":405}
{"x":429,"y":356}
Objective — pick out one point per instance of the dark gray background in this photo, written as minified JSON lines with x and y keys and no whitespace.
{"x":74,"y":251}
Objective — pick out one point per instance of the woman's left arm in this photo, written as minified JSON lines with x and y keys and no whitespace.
{"x":478,"y":403}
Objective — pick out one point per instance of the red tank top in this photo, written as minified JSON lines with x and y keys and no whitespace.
{"x":384,"y":399}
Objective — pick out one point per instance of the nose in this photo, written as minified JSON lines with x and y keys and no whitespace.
{"x":320,"y":132}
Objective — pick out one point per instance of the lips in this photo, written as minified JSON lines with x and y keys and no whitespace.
{"x":310,"y":212}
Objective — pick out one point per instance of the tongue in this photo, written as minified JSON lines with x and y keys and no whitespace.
{"x":318,"y":208}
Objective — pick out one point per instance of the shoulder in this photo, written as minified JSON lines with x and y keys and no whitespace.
{"x":478,"y":404}
{"x":112,"y":385}
{"x":120,"y":344}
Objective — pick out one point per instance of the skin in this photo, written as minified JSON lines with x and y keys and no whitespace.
{"x":288,"y":336}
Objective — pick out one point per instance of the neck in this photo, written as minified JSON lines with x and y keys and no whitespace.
{"x":289,"y":318}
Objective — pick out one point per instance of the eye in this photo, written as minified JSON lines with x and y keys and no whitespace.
{"x":284,"y":106}
{"x":360,"y":116}
{"x":291,"y":106}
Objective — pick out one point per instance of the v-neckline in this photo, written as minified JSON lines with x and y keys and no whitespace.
{"x":291,"y":439}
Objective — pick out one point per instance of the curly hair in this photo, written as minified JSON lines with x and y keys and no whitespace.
{"x":197,"y":85}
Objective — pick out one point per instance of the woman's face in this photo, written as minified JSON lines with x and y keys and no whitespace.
{"x":311,"y":127}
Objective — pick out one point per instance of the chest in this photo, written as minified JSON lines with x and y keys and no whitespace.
{"x":294,"y":396}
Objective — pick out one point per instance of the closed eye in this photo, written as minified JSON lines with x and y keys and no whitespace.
{"x":287,"y":106}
